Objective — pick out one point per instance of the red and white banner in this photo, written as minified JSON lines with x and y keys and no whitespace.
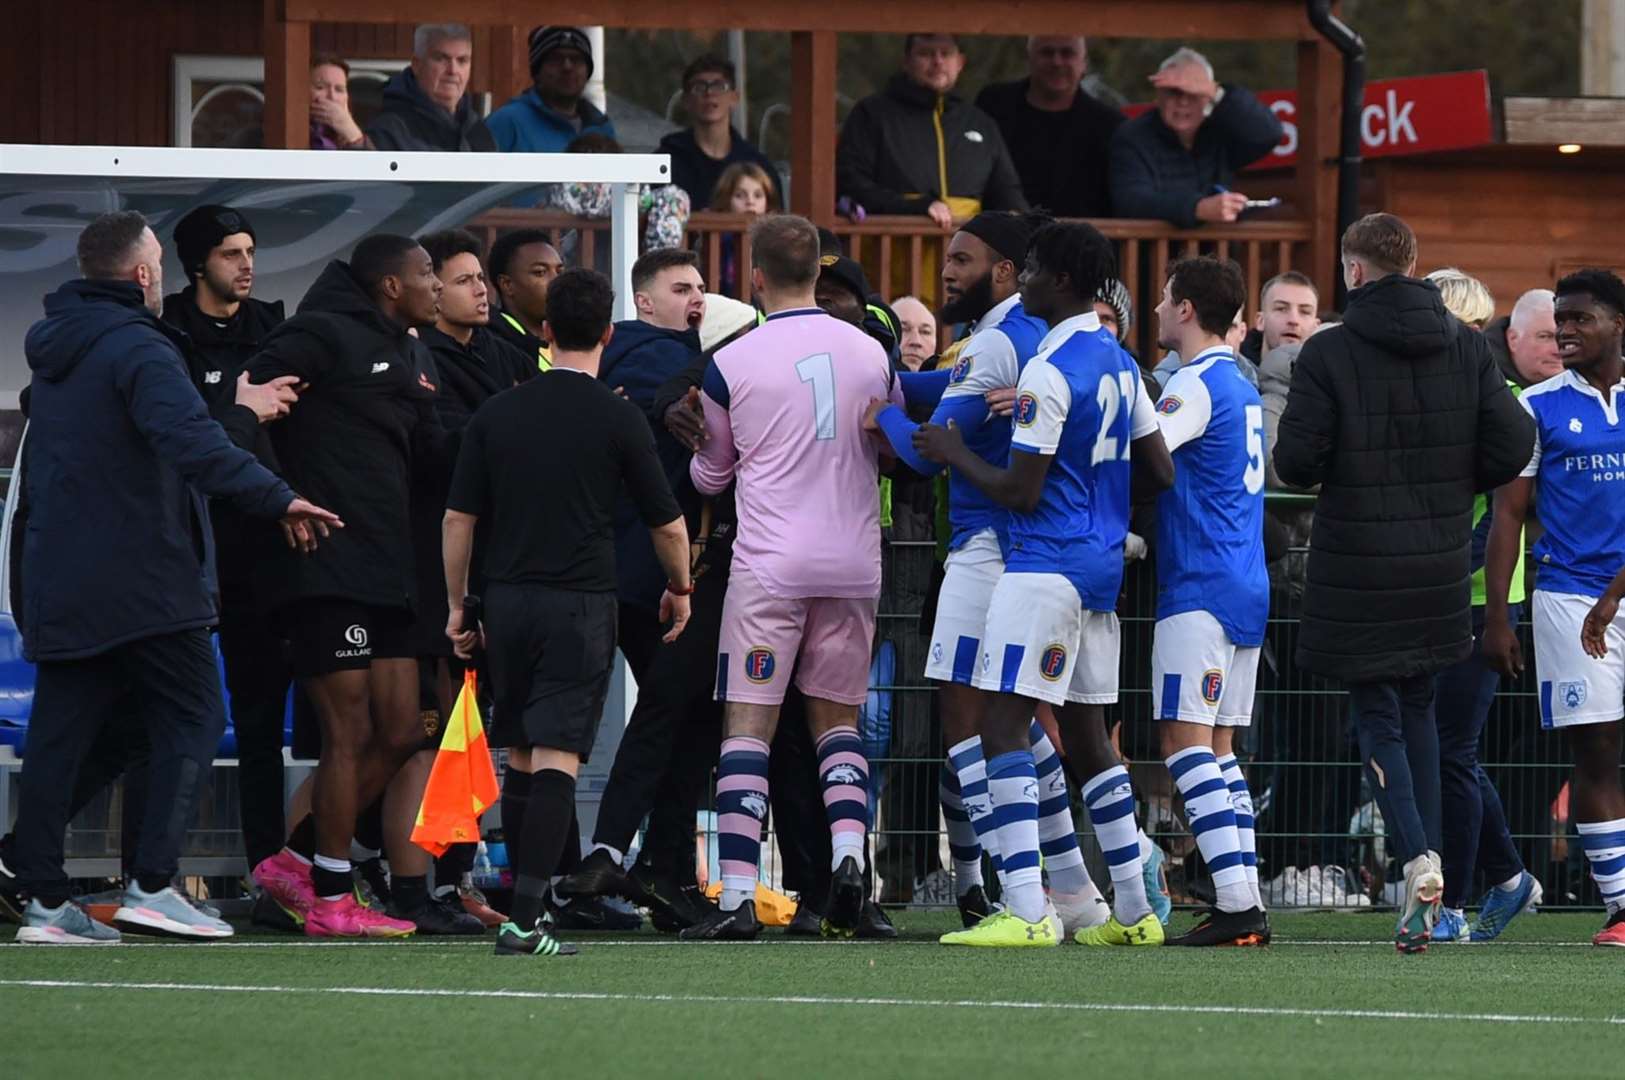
{"x":1416,"y":115}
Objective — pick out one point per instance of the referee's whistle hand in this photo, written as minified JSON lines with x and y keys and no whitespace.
{"x":463,"y":642}
{"x":673,"y":609}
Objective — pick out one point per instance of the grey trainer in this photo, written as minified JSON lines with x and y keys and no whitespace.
{"x":167,"y":913}
{"x":69,"y":924}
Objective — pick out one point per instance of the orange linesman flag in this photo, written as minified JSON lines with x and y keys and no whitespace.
{"x":462,"y":785}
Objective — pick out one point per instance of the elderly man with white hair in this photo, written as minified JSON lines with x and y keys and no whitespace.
{"x":1177,"y":161}
{"x":427,"y":106}
{"x":1057,"y":133}
{"x":1524,"y":343}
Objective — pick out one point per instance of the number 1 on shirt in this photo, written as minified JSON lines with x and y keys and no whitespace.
{"x":819,"y":370}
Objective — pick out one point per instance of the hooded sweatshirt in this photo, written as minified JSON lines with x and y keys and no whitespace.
{"x":411,"y":120}
{"x":361,"y":430}
{"x":1400,"y":415}
{"x":641,"y":358}
{"x":121,"y":453}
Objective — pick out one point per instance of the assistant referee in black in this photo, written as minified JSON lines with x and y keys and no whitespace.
{"x":542,"y":465}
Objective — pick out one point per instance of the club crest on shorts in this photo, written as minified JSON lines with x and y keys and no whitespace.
{"x":760,"y":664}
{"x":1026,"y":410}
{"x":1169,"y":404}
{"x":1212,"y":685}
{"x":1572,"y":694}
{"x":1052,"y":662}
{"x":961,"y":369}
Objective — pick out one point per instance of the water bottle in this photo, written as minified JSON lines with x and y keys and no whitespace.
{"x":486,"y":876}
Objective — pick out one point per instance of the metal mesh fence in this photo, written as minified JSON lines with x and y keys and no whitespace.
{"x":1320,"y":838}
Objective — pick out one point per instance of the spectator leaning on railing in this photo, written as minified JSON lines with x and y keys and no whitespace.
{"x":915,"y":148}
{"x":552,"y":114}
{"x":426,"y":106}
{"x":1176,"y":161}
{"x":1058,"y":135}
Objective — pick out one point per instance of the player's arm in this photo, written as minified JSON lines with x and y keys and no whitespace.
{"x":1015,"y":488}
{"x":1149,"y":448}
{"x":712,"y":466}
{"x":1510,"y":509}
{"x":468,"y":498}
{"x":1594,"y":631}
{"x":986,"y":363}
{"x":1043,"y":400}
{"x":924,"y":387}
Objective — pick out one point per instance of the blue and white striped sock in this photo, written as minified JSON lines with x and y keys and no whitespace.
{"x":1212,"y":818}
{"x":1605,"y":849}
{"x":963,"y":846}
{"x":966,"y":761}
{"x":1241,"y":799}
{"x":1057,"y":835}
{"x":1110,"y":798}
{"x":1012,"y":782}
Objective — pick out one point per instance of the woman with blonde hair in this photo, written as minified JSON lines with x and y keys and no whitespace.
{"x":1465,"y":296}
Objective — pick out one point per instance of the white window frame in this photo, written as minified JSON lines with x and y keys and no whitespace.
{"x":236,"y":72}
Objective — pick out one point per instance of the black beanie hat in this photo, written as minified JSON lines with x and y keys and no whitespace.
{"x":1008,"y":234}
{"x":201,"y":231}
{"x":546,"y":39}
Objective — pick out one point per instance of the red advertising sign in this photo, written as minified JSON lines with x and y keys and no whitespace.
{"x":1415,"y":115}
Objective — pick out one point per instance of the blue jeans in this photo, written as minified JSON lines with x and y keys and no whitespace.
{"x":1399,"y":747}
{"x":1476,"y":835}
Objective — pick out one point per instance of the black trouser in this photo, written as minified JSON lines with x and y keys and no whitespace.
{"x":258,"y":677}
{"x":1475,"y":826}
{"x":172,"y":683}
{"x":670,"y":742}
{"x":799,"y":822}
{"x":1399,"y":746}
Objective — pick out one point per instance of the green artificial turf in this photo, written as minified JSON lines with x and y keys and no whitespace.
{"x":1537,"y":1004}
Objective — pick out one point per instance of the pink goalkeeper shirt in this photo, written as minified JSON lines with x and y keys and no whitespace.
{"x":784,"y":412}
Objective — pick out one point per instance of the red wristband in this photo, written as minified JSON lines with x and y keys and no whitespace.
{"x":675,"y":591}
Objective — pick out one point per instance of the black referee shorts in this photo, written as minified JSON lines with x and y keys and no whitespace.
{"x":550,"y":653}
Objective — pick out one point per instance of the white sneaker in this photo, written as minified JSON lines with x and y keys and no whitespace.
{"x":1080,"y":910}
{"x":1424,"y":890}
{"x":168,"y":913}
{"x":1055,"y":924}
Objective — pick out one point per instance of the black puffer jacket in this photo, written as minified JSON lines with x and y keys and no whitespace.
{"x":904,"y":147}
{"x":1401,"y":416}
{"x":220,"y":352}
{"x":352,"y":444}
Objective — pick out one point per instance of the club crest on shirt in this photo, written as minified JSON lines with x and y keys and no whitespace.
{"x":1169,"y":404}
{"x":760,"y":664}
{"x":1052,"y":662}
{"x":1572,"y":694}
{"x":1575,"y":425}
{"x":1212,"y":685}
{"x":1026,"y":410}
{"x":961,"y":369}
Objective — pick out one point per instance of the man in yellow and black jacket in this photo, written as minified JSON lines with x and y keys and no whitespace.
{"x":915,"y":148}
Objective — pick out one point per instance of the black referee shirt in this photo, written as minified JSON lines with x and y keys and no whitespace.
{"x":542,"y":464}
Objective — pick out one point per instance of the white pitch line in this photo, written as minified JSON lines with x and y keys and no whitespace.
{"x":802,"y":999}
{"x":670,"y":943}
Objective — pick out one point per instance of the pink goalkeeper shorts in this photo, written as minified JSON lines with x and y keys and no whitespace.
{"x":825,"y":641}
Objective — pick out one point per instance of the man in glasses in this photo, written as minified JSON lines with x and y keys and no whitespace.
{"x":700,"y":152}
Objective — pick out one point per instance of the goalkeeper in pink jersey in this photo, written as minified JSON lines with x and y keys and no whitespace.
{"x":784,"y":410}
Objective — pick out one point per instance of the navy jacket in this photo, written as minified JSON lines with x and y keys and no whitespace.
{"x":1153,"y":176}
{"x":410,"y":120}
{"x":698,"y":173}
{"x":641,"y":358}
{"x":121,"y":453}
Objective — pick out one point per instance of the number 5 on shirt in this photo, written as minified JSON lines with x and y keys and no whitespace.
{"x":1254,"y":476}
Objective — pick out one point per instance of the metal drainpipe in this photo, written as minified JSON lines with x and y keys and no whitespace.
{"x":1349,"y":43}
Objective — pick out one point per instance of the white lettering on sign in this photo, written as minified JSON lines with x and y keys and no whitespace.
{"x":1387,"y":123}
{"x":1286,"y":111}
